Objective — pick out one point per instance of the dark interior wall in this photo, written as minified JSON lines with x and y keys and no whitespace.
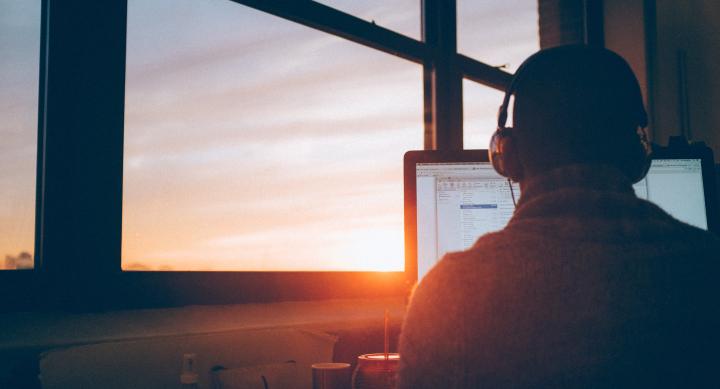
{"x":687,"y":90}
{"x":673,"y":48}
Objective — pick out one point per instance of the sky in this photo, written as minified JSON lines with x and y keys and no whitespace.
{"x":255,"y":143}
{"x":19,"y":72}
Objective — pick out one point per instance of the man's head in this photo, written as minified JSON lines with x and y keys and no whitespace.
{"x":573,"y":104}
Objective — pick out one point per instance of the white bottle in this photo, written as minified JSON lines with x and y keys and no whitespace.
{"x":189,"y":376}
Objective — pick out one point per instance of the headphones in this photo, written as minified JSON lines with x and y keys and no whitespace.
{"x":503,"y":153}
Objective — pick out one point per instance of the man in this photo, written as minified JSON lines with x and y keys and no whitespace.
{"x":587,"y":286}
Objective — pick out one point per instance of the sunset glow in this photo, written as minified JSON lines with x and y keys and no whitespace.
{"x":252,"y":142}
{"x":270,"y":146}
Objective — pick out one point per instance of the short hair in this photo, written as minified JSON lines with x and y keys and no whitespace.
{"x":577,"y":104}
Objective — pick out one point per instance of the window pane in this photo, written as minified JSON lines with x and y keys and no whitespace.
{"x":254,"y":143}
{"x":402,"y":16}
{"x":498,"y":32}
{"x":19,"y":73}
{"x":480,"y":106}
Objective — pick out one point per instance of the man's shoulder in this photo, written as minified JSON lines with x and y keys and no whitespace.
{"x":701,"y":243}
{"x":493,"y":248}
{"x":467,"y":267}
{"x":672,"y":231}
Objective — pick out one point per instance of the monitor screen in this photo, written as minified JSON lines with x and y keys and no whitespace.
{"x":457,"y":202}
{"x":676,"y":185}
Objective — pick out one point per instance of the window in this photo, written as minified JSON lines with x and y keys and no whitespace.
{"x":480,"y":107}
{"x":498,"y":33}
{"x":19,"y":59}
{"x":205,"y":135}
{"x":271,"y":147}
{"x":504,"y":44}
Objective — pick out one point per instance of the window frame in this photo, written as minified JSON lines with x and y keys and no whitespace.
{"x":80,"y":157}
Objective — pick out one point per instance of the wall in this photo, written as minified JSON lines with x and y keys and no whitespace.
{"x":651,"y":35}
{"x":690,"y":26}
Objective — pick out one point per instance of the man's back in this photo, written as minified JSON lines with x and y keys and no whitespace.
{"x":588,"y":286}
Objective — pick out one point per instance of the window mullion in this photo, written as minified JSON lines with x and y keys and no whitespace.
{"x":443,"y":80}
{"x":82,"y":139}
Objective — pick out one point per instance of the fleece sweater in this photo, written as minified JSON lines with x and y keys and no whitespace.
{"x":587,"y":286}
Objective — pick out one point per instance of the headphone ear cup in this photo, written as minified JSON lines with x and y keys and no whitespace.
{"x":637,"y":170}
{"x":503,"y":154}
{"x":495,"y":153}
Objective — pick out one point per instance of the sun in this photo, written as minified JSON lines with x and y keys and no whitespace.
{"x":376,"y":249}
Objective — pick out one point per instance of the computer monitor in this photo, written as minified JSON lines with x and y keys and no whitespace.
{"x":676,"y":185}
{"x":452,"y":198}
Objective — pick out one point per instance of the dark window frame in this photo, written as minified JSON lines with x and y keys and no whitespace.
{"x":80,"y":157}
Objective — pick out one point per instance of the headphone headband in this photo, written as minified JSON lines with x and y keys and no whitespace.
{"x":503,"y":111}
{"x":502,"y":116}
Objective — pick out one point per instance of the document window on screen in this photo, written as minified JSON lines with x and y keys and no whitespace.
{"x":457,"y":203}
{"x":676,"y":185}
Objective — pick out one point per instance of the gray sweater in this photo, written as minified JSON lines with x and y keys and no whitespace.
{"x":587,"y":286}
